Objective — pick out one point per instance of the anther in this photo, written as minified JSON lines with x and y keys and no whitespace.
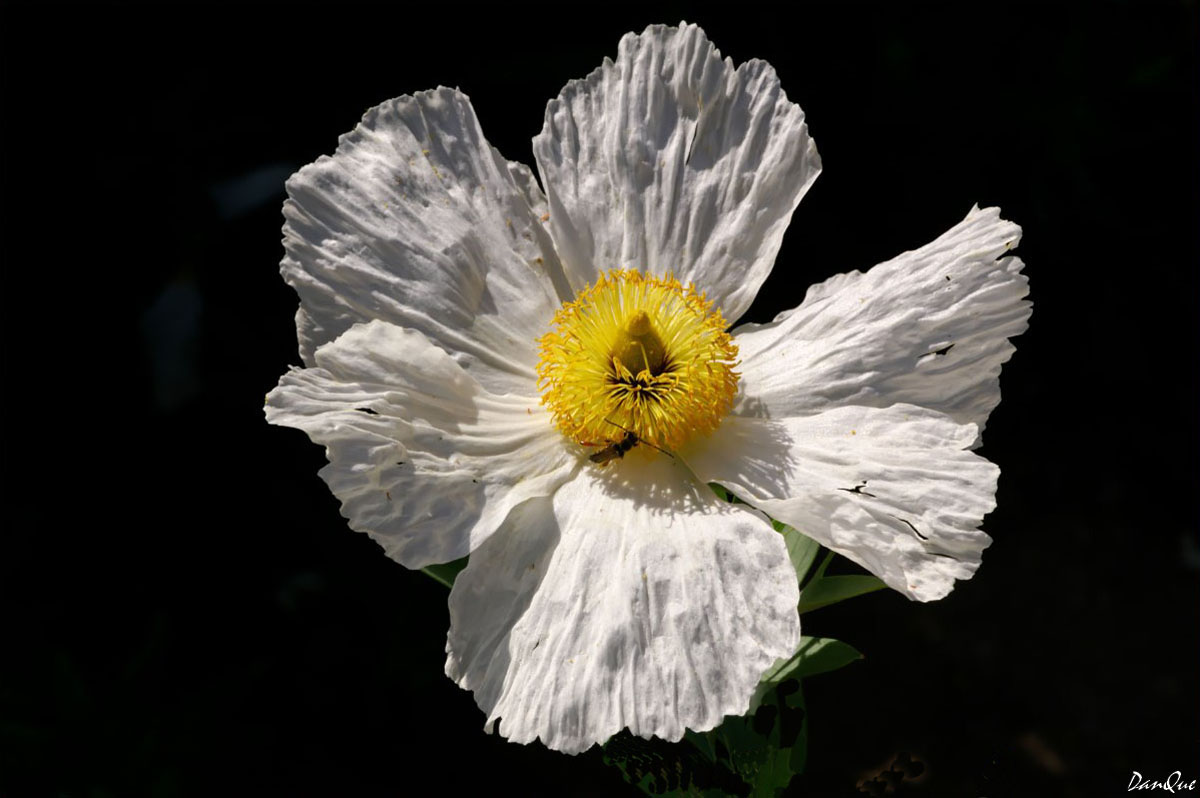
{"x":638,"y":355}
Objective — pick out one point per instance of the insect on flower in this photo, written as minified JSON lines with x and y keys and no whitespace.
{"x":470,"y":336}
{"x":615,"y":451}
{"x":618,"y":449}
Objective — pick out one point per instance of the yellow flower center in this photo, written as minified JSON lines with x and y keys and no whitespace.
{"x":641,"y":355}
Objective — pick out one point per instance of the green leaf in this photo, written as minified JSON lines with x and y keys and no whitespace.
{"x":824,"y":654}
{"x":445,"y":572}
{"x":825,"y":590}
{"x":795,"y":700}
{"x":660,"y":768}
{"x":766,"y":748}
{"x":802,"y":550}
{"x":814,"y":655}
{"x":824,"y":565}
{"x":754,"y":755}
{"x":702,"y":742}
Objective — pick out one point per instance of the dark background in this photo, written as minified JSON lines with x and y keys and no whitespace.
{"x":184,"y":612}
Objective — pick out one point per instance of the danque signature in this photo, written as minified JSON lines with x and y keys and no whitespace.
{"x":1173,"y":783}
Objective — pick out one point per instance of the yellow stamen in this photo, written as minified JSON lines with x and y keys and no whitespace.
{"x":641,"y":354}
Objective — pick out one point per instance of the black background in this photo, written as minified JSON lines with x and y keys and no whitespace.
{"x":184,"y":610}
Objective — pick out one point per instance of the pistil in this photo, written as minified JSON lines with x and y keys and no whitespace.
{"x":638,"y":347}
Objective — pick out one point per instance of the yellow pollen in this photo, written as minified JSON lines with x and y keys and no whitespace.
{"x":637,"y":354}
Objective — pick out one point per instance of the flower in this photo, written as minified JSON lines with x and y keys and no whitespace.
{"x":546,"y":382}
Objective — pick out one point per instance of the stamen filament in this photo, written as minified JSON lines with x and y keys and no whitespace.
{"x":637,"y":354}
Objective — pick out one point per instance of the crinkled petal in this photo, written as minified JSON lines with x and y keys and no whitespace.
{"x":930,"y":328}
{"x":894,"y":489}
{"x":418,"y":221}
{"x":670,"y":160}
{"x":422,"y":457}
{"x":634,"y":598}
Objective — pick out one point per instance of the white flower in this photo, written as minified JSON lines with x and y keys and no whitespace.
{"x":625,"y":594}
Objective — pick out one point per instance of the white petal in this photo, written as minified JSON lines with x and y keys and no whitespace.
{"x":669,"y":160}
{"x":633,"y":599}
{"x":438,"y":462}
{"x":930,"y":327}
{"x":418,"y":221}
{"x":894,"y":489}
